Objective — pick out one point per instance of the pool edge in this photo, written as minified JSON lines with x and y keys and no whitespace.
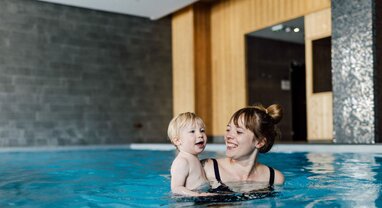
{"x":284,"y":148}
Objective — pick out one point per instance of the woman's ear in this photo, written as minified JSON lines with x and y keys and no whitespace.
{"x":261,"y":143}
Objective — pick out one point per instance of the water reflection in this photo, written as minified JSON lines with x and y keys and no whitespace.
{"x":359,"y":168}
{"x":348,"y":178}
{"x":321,"y":163}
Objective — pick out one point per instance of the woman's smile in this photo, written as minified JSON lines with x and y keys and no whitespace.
{"x":231,"y":145}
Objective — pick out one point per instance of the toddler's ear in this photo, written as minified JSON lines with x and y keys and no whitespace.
{"x":176,"y":141}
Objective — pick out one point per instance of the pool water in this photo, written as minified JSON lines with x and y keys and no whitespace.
{"x":140,"y":178}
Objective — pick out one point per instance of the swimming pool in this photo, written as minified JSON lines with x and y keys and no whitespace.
{"x":121,"y":177}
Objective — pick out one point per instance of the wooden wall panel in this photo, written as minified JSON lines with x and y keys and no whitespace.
{"x":228,"y":78}
{"x":183,"y":61}
{"x":202,"y":53}
{"x":230,"y":21}
{"x":192,"y":62}
{"x":319,"y":105}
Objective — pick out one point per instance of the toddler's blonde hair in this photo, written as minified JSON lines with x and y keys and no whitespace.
{"x":183,"y":120}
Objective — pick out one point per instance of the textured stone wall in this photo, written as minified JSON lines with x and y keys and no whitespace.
{"x":72,"y":76}
{"x":353,"y":71}
{"x":377,"y":24}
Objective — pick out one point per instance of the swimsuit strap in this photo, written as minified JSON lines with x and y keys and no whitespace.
{"x":216,"y":170}
{"x":271,"y":176}
{"x":217,"y":174}
{"x":222,"y":188}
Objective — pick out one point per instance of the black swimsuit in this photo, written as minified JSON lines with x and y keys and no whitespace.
{"x":222,"y":188}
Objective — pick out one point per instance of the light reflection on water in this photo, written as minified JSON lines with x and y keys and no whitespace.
{"x":136,"y":178}
{"x":353,"y":174}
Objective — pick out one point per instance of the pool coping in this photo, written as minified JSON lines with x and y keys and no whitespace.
{"x":284,"y":148}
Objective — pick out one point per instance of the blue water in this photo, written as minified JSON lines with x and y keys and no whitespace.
{"x":132,"y":178}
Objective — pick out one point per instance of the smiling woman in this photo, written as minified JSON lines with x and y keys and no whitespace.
{"x":250,"y":131}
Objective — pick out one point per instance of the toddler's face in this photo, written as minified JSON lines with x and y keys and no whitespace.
{"x":193,"y":139}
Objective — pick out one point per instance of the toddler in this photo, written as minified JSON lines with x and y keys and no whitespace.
{"x":187,"y":132}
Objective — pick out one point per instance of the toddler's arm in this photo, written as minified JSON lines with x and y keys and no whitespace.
{"x":179,"y":174}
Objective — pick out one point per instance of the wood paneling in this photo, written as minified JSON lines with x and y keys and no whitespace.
{"x":319,"y":105}
{"x":230,"y":21}
{"x":192,"y":61}
{"x":183,"y":61}
{"x":202,"y":53}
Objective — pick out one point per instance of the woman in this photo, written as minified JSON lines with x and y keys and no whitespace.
{"x":250,"y":131}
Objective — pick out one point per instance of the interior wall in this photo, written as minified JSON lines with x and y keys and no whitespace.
{"x":354,"y":71}
{"x":377,"y":24}
{"x":230,"y":20}
{"x":192,"y":62}
{"x":319,"y":105}
{"x":203,"y":84}
{"x":183,"y":72}
{"x":72,"y":76}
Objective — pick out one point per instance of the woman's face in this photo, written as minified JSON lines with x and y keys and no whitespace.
{"x":240,"y":141}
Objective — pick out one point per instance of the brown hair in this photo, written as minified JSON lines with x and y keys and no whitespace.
{"x":262,"y":122}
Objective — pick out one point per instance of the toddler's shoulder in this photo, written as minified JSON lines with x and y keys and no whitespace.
{"x":180,"y":161}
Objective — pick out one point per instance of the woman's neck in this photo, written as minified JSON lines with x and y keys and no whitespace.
{"x":245,"y":166}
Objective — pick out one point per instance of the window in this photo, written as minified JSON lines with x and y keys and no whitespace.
{"x":322,"y":69}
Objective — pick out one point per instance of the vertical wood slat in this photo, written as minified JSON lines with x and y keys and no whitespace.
{"x":183,"y":61}
{"x":202,"y":54}
{"x":192,"y":61}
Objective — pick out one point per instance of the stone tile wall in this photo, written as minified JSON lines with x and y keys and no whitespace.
{"x":72,"y":76}
{"x":353,"y":71}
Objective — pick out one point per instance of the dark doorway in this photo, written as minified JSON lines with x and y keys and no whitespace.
{"x":276,"y":74}
{"x":298,"y":93}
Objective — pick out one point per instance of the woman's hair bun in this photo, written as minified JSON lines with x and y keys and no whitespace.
{"x":275,"y":111}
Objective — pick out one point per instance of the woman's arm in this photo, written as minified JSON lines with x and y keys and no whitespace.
{"x":279,"y":177}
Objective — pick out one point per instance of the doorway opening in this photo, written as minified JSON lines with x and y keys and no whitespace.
{"x":275,"y":64}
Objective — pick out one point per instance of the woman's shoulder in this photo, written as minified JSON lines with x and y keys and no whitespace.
{"x":209,"y":162}
{"x":209,"y":169}
{"x":206,"y":163}
{"x":278,"y":176}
